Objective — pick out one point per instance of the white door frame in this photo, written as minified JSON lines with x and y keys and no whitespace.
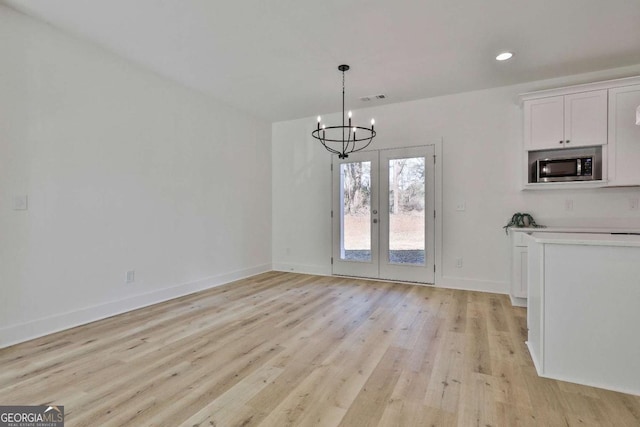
{"x":438,"y":222}
{"x":423,"y":273}
{"x":354,"y":268}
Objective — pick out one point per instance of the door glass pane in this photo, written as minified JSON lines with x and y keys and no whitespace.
{"x":406,"y":211}
{"x":355,"y":215}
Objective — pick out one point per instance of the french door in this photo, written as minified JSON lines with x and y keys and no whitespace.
{"x":383,"y":214}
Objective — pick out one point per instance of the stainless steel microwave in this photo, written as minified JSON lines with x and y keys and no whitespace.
{"x":565,"y":169}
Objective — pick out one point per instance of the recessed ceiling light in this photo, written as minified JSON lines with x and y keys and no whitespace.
{"x":504,"y":56}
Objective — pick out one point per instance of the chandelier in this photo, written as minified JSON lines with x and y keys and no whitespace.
{"x":345,"y":139}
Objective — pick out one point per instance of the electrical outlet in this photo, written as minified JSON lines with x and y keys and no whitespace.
{"x":130,"y":276}
{"x":20,"y":203}
{"x":461,"y":206}
{"x":458,"y":262}
{"x":633,"y":204}
{"x":568,"y":205}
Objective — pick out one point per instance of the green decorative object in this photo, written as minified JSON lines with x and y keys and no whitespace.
{"x":521,"y":220}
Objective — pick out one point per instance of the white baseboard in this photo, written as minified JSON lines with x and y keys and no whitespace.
{"x":449,"y":282}
{"x":536,"y":364}
{"x":518,"y":302}
{"x":465,"y":284}
{"x":319,"y":270}
{"x":613,"y":387}
{"x":634,"y":391}
{"x":37,"y":328}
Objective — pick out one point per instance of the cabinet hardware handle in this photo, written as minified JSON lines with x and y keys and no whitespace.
{"x":560,"y":142}
{"x":567,"y":141}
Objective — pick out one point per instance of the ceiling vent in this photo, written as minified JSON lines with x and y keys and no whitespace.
{"x":370,"y":97}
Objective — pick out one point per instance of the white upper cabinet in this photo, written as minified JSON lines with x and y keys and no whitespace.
{"x":624,"y":136}
{"x":585,"y":119}
{"x":575,"y":120}
{"x":544,"y":123}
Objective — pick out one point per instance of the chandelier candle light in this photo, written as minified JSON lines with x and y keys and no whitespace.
{"x":342,"y":140}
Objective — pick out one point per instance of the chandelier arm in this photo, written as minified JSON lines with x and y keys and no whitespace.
{"x":365,"y":146}
{"x":329,"y":149}
{"x":345,"y":144}
{"x":346,"y":149}
{"x":353,"y":145}
{"x":361,"y":148}
{"x":316,"y":135}
{"x":332,"y":151}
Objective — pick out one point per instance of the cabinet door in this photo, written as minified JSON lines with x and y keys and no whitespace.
{"x":624,"y":136}
{"x":544,"y":123}
{"x":519,"y":263}
{"x":585,"y":119}
{"x":519,"y":271}
{"x":524,"y":270}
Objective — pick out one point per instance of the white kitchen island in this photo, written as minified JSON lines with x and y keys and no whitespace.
{"x":583,"y":308}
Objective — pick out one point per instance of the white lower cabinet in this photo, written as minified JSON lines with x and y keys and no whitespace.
{"x":519,"y":279}
{"x":582,"y":312}
{"x":519,"y":261}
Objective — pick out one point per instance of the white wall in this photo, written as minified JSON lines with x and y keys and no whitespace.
{"x":482,"y":138}
{"x":124,"y":170}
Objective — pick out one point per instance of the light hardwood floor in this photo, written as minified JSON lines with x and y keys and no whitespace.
{"x":284,"y":349}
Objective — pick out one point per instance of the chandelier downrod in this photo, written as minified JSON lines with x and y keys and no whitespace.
{"x":349,"y":142}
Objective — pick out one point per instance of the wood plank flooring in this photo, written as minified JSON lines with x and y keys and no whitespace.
{"x":284,"y":349}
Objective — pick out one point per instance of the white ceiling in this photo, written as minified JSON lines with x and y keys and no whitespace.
{"x":277,"y":59}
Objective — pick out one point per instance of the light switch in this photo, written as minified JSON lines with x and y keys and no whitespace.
{"x":20,"y":203}
{"x":130,"y":276}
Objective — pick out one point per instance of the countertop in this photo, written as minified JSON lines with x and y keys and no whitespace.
{"x":591,"y":230}
{"x":591,"y":239}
